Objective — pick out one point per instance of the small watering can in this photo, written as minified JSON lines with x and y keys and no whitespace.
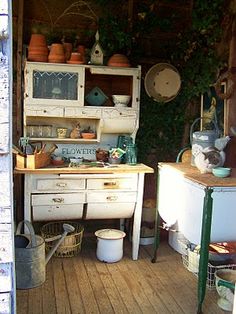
{"x":30,"y":255}
{"x":202,"y":139}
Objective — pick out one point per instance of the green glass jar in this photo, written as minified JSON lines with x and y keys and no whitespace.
{"x":131,"y":154}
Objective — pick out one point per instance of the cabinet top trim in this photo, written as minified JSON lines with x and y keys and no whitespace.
{"x":88,"y":66}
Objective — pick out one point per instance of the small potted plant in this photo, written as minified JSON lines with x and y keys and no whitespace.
{"x":88,"y":133}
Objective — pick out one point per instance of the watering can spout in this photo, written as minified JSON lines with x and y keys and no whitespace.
{"x":67,"y":229}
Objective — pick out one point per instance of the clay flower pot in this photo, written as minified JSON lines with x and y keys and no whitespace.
{"x":76,"y":58}
{"x":118,"y":60}
{"x":56,"y":54}
{"x":38,"y":50}
{"x":37,"y":40}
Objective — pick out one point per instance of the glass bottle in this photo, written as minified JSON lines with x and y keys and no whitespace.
{"x":131,"y":154}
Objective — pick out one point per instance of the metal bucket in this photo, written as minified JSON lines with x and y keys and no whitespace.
{"x":29,"y":257}
{"x":202,"y":139}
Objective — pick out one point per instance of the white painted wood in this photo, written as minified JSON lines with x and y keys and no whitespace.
{"x":127,"y":183}
{"x":111,"y":197}
{"x":181,"y":200}
{"x":5,"y":303}
{"x":119,"y":120}
{"x":44,"y":111}
{"x":6,"y":275}
{"x":60,"y":184}
{"x":110,"y":210}
{"x":110,"y":120}
{"x":58,"y":198}
{"x":100,"y":203}
{"x":57,"y":212}
{"x":76,"y":112}
{"x":104,"y":193}
{"x":49,"y":67}
{"x":7,"y":264}
{"x":137,"y":217}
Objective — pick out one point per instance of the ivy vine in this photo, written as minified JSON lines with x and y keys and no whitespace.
{"x":193,"y":54}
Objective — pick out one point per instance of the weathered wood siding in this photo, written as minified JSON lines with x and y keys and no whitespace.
{"x":7,"y":273}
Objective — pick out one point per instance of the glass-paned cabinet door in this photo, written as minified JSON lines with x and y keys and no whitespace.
{"x":53,"y":84}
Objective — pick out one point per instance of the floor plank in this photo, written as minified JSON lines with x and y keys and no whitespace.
{"x":97,"y":284}
{"x":73,"y":290}
{"x":61,"y":295}
{"x":83,"y":284}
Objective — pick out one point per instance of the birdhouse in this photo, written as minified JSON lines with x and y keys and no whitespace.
{"x":96,"y":56}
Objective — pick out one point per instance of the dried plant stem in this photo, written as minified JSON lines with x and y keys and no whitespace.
{"x":76,"y":5}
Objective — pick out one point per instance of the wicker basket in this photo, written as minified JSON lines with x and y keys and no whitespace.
{"x":71,"y":246}
{"x":192,"y":265}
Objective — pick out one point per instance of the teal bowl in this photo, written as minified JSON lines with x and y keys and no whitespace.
{"x":221,"y":172}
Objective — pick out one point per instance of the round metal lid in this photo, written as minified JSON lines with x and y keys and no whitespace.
{"x":162,"y":82}
{"x":110,"y":234}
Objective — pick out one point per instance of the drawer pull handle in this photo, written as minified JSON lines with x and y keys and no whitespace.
{"x":112,"y":198}
{"x":110,"y":183}
{"x":58,"y":200}
{"x":61,"y":185}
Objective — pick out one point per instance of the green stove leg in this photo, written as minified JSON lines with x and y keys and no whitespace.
{"x":204,"y":249}
{"x":157,"y":223}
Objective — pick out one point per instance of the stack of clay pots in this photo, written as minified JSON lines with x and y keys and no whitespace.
{"x":57,"y":54}
{"x":38,"y":50}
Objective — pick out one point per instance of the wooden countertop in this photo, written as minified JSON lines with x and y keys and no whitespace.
{"x":122,"y":168}
{"x":193,"y":174}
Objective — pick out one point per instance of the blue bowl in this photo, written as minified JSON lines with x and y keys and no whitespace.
{"x":221,"y":172}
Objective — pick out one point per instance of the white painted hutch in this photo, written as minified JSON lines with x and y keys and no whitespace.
{"x":53,"y":193}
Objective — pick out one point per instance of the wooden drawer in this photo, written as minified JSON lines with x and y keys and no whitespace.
{"x":129,"y":183}
{"x":83,"y":112}
{"x":56,"y":212}
{"x":58,"y":199}
{"x":44,"y":111}
{"x":109,"y":210}
{"x":111,"y":197}
{"x":60,"y":184}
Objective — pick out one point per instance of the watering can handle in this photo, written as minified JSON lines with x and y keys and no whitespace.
{"x":67,"y":229}
{"x":195,"y":121}
{"x":33,"y":242}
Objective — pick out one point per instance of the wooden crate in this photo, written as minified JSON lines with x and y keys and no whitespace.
{"x":20,"y":161}
{"x":35,"y":161}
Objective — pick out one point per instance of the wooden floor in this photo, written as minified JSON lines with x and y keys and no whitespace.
{"x":83,"y":284}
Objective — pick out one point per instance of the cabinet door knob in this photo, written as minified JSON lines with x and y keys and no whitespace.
{"x":58,"y":200}
{"x":61,"y":185}
{"x":112,"y":198}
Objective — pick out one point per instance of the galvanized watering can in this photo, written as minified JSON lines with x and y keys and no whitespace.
{"x":30,"y":255}
{"x":202,"y":139}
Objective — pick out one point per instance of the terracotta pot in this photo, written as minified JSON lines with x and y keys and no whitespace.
{"x":75,"y":58}
{"x":67,"y":50}
{"x":118,"y":60}
{"x":37,"y":57}
{"x":38,"y":50}
{"x":37,"y":40}
{"x":56,"y":54}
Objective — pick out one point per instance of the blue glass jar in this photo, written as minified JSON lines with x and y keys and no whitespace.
{"x":131,"y":154}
